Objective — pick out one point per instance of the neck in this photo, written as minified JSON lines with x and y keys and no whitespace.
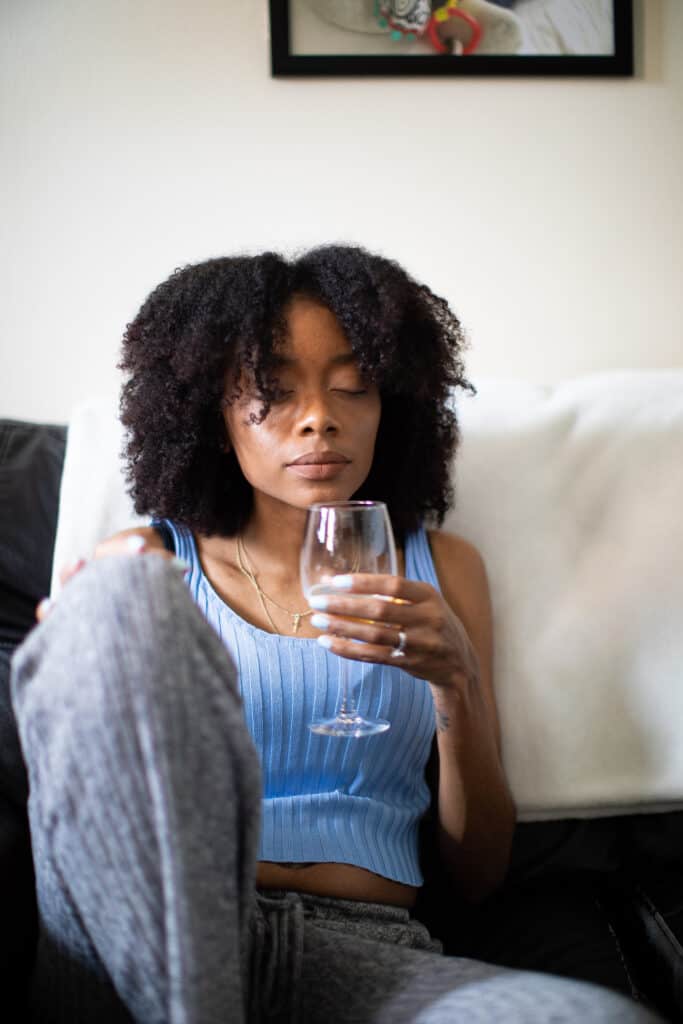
{"x":274,"y":538}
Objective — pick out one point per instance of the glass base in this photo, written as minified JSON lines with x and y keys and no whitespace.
{"x":349,"y":726}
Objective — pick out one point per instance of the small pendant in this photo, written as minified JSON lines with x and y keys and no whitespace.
{"x":296,"y":619}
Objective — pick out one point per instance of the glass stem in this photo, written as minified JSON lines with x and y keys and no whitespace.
{"x":347,"y":704}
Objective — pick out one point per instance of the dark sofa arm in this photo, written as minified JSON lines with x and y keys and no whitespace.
{"x":31,"y":458}
{"x":645,"y":907}
{"x":18,"y":920}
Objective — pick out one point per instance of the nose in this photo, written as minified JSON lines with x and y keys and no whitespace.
{"x":316,"y":416}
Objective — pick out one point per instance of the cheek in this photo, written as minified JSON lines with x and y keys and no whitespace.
{"x":253,"y":444}
{"x":245,"y":435}
{"x":370,"y":426}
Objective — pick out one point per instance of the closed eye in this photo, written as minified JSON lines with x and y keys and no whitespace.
{"x":283,"y":394}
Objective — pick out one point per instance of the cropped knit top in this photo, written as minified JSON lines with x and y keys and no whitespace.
{"x":355,"y":801}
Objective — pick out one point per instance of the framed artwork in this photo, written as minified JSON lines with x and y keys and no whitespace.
{"x":451,"y":37}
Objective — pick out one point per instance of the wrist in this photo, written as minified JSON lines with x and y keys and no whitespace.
{"x":458,"y":702}
{"x":456,"y":686}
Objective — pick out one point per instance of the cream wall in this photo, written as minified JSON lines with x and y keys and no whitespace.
{"x":140,"y":136}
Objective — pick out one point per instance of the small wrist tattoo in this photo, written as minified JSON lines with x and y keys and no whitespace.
{"x":442,"y":721}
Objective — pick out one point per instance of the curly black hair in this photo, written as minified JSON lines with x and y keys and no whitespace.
{"x":229,"y":313}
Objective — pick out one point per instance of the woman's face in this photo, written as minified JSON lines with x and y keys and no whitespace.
{"x":317,"y":441}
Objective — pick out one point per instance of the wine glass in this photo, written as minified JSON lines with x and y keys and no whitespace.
{"x":345,"y":537}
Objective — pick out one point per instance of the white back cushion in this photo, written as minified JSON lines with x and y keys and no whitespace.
{"x":93,"y":503}
{"x":574,"y":495}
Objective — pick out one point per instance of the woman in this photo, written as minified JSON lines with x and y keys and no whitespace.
{"x":187,"y":871}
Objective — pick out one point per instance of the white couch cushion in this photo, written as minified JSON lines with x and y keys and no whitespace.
{"x":574,"y":496}
{"x":93,"y":502}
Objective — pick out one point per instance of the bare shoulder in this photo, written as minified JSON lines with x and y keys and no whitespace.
{"x":461,"y":572}
{"x":454,"y":549}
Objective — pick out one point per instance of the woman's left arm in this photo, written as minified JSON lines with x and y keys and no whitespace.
{"x":476,"y":810}
{"x":448,"y":639}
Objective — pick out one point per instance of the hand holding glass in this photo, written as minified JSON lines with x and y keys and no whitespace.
{"x":342,"y":538}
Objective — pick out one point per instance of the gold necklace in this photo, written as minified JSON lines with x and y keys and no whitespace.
{"x":296,"y":617}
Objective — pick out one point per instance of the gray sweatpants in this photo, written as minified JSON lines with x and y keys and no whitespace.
{"x":144,"y":810}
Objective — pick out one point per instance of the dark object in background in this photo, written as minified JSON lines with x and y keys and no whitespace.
{"x":31,"y":458}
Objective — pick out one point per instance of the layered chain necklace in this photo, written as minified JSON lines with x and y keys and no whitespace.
{"x":247,"y":571}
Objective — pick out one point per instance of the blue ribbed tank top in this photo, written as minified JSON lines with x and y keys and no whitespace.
{"x":353,"y":801}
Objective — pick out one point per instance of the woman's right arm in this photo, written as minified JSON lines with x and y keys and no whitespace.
{"x":125,"y":543}
{"x":138,"y":540}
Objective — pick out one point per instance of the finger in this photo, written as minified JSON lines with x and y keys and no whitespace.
{"x":132,"y":544}
{"x":355,"y":629}
{"x":44,"y":608}
{"x":393,"y":587}
{"x":137,"y":544}
{"x":375,"y":608}
{"x":354,"y":651}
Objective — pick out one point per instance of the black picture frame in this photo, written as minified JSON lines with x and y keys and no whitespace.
{"x":286,"y":63}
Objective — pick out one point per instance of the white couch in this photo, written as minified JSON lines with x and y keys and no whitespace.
{"x":574,"y":495}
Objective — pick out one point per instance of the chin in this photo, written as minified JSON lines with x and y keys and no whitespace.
{"x":325,"y":492}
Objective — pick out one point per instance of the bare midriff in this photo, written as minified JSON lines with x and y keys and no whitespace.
{"x":344,"y":881}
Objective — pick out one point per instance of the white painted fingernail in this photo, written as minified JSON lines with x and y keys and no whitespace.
{"x":326,"y":641}
{"x":341,"y":582}
{"x":180,"y":563}
{"x":135,"y":543}
{"x":320,"y":621}
{"x":318,"y":601}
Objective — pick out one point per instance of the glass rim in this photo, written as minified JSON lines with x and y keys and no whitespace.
{"x":346,"y":504}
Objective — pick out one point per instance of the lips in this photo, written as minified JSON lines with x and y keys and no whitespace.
{"x":319,"y":465}
{"x":319,"y":459}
